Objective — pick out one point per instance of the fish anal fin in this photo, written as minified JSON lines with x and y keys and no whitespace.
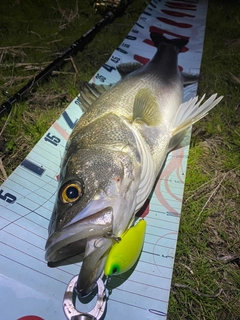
{"x":191,"y":111}
{"x":176,"y":140}
{"x":145,"y":108}
{"x":126,"y":68}
{"x":190,"y":78}
{"x":89,"y":92}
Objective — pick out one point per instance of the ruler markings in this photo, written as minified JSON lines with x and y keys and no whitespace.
{"x":39,"y":280}
{"x":142,"y":300}
{"x":156,"y":260}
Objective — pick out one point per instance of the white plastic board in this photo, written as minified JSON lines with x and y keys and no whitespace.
{"x":27,"y":285}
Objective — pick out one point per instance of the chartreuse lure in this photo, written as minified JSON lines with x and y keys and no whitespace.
{"x":125,"y":253}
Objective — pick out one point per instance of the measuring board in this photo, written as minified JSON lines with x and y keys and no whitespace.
{"x":27,"y":285}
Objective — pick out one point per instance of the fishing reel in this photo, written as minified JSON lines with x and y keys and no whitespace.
{"x":102,"y":6}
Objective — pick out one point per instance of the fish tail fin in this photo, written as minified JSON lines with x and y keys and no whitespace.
{"x":158,"y":38}
{"x":191,"y":111}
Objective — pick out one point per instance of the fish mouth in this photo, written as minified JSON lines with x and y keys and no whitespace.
{"x":71,"y":240}
{"x":93,"y":265}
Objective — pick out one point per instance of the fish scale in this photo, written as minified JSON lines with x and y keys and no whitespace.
{"x":109,"y":131}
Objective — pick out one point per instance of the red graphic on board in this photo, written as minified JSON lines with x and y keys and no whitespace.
{"x":61,"y":131}
{"x":30,"y":318}
{"x":144,"y":60}
{"x":175,"y":23}
{"x":183,"y":6}
{"x":141,"y":59}
{"x":158,"y":250}
{"x":175,"y":165}
{"x":144,"y":211}
{"x":162,"y":31}
{"x":177,"y":14}
{"x":150,"y":42}
{"x":180,"y":68}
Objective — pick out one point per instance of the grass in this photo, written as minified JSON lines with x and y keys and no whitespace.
{"x":207,"y":258}
{"x":206,"y":278}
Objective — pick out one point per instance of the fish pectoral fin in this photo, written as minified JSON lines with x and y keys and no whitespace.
{"x":89,"y":92}
{"x":191,"y":111}
{"x":126,"y":68}
{"x":145,"y":108}
{"x":189,"y":78}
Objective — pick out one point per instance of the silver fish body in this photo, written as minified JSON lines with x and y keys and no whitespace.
{"x":114,"y":155}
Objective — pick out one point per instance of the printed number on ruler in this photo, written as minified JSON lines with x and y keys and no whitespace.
{"x":52,"y":139}
{"x":7,"y":197}
{"x":135,"y":31}
{"x":115,"y":59}
{"x":132,"y":38}
{"x":125,"y":45}
{"x":100,"y":77}
{"x":108,"y":67}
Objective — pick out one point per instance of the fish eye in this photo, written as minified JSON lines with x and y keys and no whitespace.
{"x":71,"y":191}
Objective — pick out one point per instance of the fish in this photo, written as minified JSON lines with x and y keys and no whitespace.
{"x":114,"y":155}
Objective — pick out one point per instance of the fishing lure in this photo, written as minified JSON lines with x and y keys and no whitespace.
{"x":125,"y":253}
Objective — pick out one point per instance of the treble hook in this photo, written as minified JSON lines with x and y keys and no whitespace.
{"x":70,"y":298}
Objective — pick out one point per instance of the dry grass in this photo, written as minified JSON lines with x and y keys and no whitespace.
{"x":206,"y":280}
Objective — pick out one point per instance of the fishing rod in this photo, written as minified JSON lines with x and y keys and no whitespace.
{"x":115,"y":7}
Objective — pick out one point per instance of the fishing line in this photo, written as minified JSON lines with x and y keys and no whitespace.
{"x":115,"y":8}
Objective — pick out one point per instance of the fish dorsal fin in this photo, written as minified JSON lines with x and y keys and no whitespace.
{"x":89,"y":92}
{"x":145,"y":108}
{"x":125,"y":68}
